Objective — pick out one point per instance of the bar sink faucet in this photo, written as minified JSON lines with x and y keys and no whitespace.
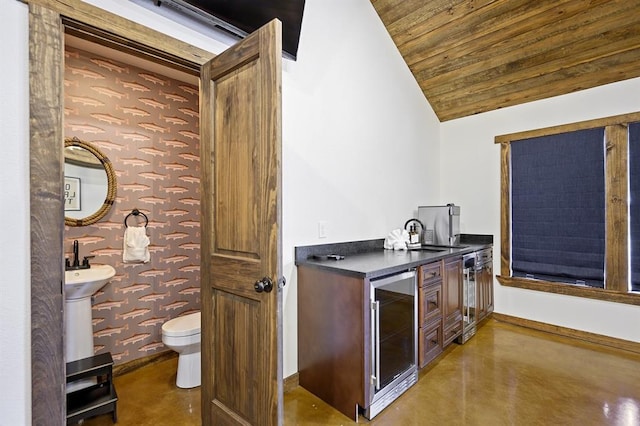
{"x":76,"y":259}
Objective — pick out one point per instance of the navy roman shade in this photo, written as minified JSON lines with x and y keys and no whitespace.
{"x":634,"y":208}
{"x":558,"y":207}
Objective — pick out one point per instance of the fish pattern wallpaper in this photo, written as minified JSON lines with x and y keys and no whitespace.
{"x":147,"y":125}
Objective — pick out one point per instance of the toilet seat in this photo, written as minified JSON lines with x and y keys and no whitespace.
{"x":186,"y":325}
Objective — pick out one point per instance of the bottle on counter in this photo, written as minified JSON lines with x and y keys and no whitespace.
{"x":414,"y":236}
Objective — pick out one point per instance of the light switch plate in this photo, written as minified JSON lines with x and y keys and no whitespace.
{"x":322,"y":229}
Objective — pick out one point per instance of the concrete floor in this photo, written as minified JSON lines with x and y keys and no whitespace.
{"x":505,"y":375}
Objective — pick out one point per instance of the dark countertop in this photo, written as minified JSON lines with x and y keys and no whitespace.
{"x":368,"y":259}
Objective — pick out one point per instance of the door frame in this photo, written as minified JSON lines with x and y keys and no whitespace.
{"x":49,"y":20}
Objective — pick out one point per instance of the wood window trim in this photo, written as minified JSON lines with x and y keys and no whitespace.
{"x":570,"y":290}
{"x":616,"y":188}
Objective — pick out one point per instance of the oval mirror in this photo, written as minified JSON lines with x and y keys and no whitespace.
{"x":89,"y":183}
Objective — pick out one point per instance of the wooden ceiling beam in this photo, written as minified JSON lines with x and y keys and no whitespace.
{"x":620,"y":67}
{"x":391,"y":11}
{"x":524,"y":31}
{"x":561,"y":55}
{"x":479,"y":55}
{"x":427,"y":21}
{"x":493,"y":20}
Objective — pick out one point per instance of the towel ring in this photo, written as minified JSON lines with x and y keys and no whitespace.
{"x":136,"y":212}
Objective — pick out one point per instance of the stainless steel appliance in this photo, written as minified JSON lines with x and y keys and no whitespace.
{"x":477,"y":294}
{"x":441,"y":224}
{"x":394,"y":340}
{"x":469,"y":292}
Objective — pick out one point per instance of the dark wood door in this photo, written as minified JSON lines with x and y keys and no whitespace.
{"x":452,"y":304}
{"x":241,"y":232}
{"x":452,"y":290}
{"x":485,"y":291}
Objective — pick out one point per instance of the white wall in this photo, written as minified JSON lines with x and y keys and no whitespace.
{"x":467,"y":146}
{"x":360,"y":152}
{"x":361,"y":149}
{"x":15,"y":343}
{"x":360,"y":142}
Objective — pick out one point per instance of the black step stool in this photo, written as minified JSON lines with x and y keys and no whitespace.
{"x":94,"y":400}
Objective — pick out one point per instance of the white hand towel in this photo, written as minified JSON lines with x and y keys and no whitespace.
{"x":136,"y":245}
{"x":397,"y":240}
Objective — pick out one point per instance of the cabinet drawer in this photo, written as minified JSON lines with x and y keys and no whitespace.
{"x":451,"y":332}
{"x":430,"y":307}
{"x":430,"y":343}
{"x":431,"y":273}
{"x":452,"y":319}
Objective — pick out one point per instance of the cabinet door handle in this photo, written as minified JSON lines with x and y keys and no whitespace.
{"x":375,"y":306}
{"x":433,"y":302}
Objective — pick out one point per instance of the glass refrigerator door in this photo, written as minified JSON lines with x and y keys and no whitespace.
{"x":394,"y":327}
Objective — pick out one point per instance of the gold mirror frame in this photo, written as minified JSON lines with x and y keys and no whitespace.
{"x":111,"y":184}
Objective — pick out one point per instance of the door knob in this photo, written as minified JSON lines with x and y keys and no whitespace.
{"x":264,"y":284}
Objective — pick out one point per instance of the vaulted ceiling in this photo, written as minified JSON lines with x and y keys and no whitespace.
{"x":472,"y":56}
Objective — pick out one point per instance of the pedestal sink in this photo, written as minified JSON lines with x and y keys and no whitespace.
{"x":79,"y":286}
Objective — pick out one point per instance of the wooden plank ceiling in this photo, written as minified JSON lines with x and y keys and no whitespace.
{"x":472,"y":56}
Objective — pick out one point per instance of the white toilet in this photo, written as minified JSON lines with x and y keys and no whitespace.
{"x":182,"y":334}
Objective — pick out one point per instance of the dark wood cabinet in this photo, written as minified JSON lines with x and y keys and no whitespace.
{"x":429,"y":312}
{"x":452,"y":294}
{"x":430,"y":343}
{"x":334,"y":338}
{"x":346,"y":324}
{"x":335,"y":327}
{"x":431,"y":303}
{"x":484,"y":278}
{"x":440,"y":302}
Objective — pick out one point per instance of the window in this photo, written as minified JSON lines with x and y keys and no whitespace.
{"x":557,"y":207}
{"x":571,"y":209}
